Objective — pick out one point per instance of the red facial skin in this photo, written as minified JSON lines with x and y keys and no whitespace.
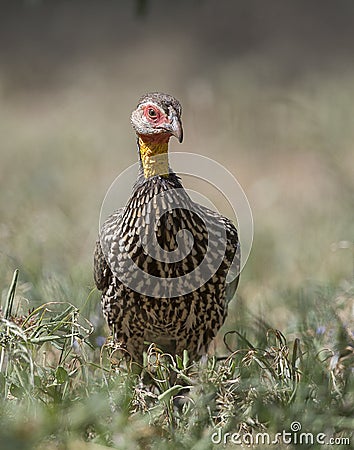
{"x":154,"y":115}
{"x":156,"y":118}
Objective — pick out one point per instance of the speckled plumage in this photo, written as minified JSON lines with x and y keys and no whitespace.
{"x":182,"y":302}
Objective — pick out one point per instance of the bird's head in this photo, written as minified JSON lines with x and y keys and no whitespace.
{"x":158,"y":117}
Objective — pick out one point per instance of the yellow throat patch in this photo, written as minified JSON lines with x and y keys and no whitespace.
{"x":154,"y":158}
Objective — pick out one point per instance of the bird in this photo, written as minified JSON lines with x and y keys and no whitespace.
{"x":162,"y":261}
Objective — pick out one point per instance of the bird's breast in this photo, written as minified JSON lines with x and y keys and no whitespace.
{"x":163,"y":243}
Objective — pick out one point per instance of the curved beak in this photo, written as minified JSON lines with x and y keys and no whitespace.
{"x":174,"y":126}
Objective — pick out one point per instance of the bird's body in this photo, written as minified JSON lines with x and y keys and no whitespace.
{"x":161,"y":262}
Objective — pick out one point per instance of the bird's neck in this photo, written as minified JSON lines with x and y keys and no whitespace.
{"x":154,"y":155}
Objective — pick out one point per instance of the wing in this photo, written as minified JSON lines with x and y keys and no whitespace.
{"x":232,"y":285}
{"x":101,"y":270}
{"x":233,"y":254}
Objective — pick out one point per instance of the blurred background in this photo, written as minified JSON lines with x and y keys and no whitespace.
{"x":267,"y":90}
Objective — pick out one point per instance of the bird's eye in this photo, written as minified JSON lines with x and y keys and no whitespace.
{"x":152,"y":113}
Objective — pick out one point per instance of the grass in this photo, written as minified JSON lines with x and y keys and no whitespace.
{"x":59,"y":390}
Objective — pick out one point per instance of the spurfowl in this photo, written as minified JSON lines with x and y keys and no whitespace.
{"x":161,"y":262}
